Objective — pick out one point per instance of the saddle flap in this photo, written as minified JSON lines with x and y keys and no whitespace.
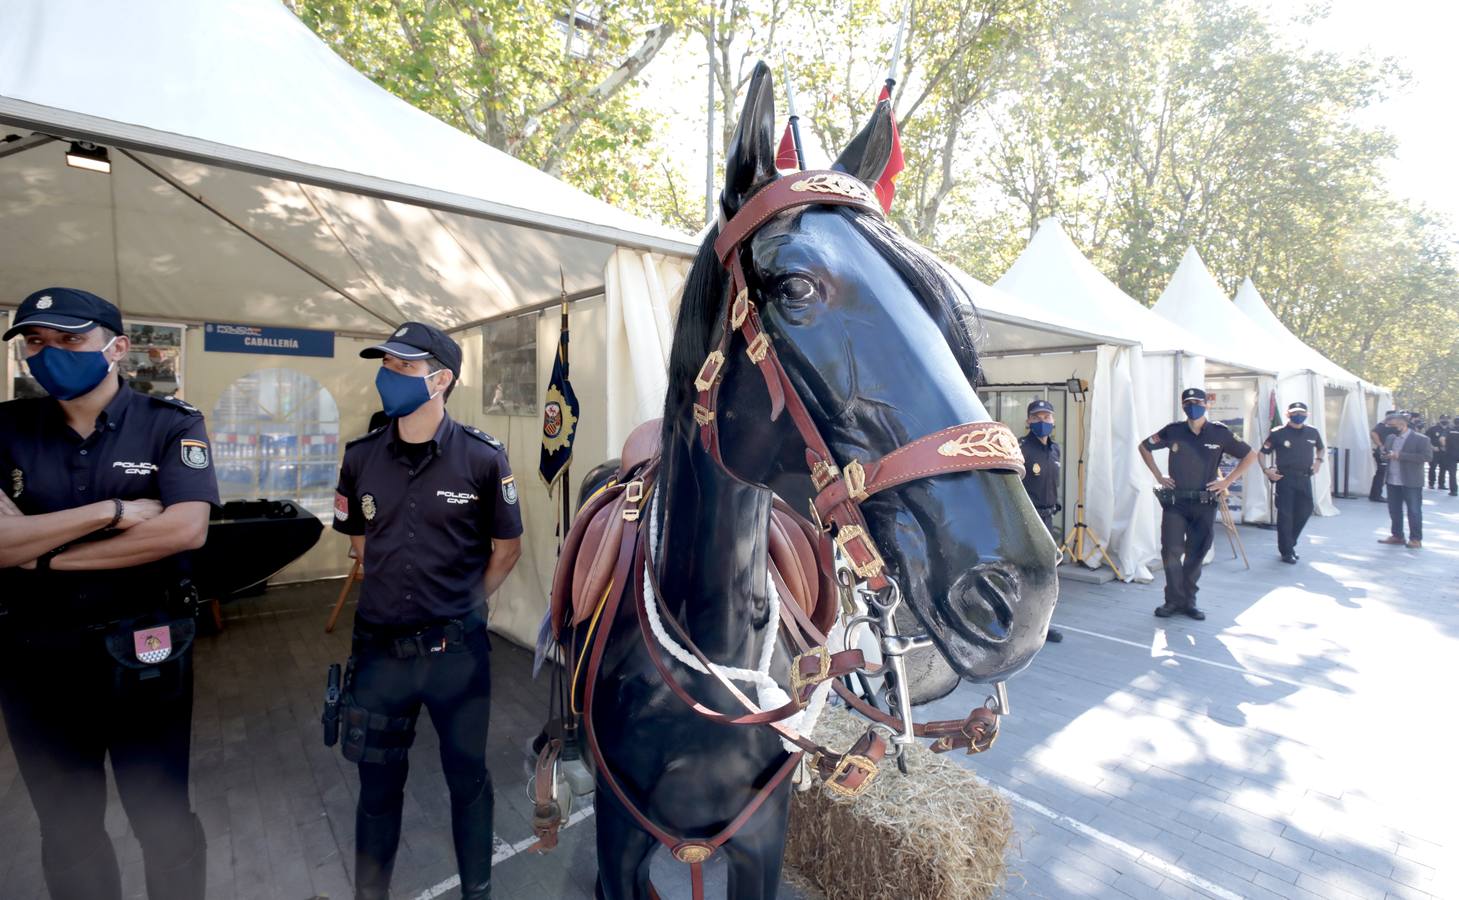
{"x":793,"y":553}
{"x":582,"y":538}
{"x":641,"y":446}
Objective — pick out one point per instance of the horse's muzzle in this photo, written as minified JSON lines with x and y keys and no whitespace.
{"x":982,"y":602}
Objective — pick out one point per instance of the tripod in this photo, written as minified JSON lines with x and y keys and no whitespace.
{"x":1074,"y":548}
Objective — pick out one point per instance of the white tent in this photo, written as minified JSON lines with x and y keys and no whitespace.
{"x":1354,"y":403}
{"x":1195,"y":301}
{"x":257,"y":178}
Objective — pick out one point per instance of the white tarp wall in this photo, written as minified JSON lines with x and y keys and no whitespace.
{"x":1120,"y":504}
{"x":643,"y":291}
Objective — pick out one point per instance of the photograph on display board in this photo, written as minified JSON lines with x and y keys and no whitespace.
{"x":509,"y":366}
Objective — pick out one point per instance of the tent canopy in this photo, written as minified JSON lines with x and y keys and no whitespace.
{"x":257,"y":177}
{"x":1054,"y":275}
{"x":1196,"y":302}
{"x":1014,"y":326}
{"x":1250,"y":302}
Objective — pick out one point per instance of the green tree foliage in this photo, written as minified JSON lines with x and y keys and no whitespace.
{"x":1144,"y":126}
{"x":553,"y":84}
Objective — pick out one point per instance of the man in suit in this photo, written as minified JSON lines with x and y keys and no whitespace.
{"x":1406,"y":451}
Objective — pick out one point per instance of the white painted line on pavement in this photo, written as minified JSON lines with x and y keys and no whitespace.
{"x":1210,"y":662}
{"x":1143,"y":857}
{"x":502,"y":854}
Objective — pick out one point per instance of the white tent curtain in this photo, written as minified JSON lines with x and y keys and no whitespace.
{"x":1256,"y":504}
{"x":1353,"y":437}
{"x":642,"y":292}
{"x":1119,"y":504}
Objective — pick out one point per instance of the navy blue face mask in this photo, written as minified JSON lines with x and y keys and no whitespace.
{"x":401,"y":395}
{"x":1041,"y":429}
{"x":1194,"y":411}
{"x":1299,"y":419}
{"x":68,"y":374}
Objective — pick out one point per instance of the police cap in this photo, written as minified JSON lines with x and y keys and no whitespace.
{"x":65,"y":309}
{"x":1296,"y":406}
{"x":417,"y":340}
{"x":1040,"y":406}
{"x":1192,"y":394}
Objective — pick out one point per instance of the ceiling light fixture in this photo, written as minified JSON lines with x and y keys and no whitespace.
{"x":88,"y":156}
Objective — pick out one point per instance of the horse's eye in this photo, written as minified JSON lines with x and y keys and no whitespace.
{"x":795,"y":290}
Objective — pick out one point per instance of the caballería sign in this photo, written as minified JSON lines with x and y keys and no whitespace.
{"x":219,"y":337}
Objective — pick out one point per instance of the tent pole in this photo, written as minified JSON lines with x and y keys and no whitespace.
{"x":280,"y":253}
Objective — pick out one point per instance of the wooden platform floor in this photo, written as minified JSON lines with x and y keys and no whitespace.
{"x":1298,"y":743}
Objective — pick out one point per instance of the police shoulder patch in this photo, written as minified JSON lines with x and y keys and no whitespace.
{"x":482,"y":436}
{"x":509,"y":489}
{"x":176,"y":403}
{"x":194,"y":453}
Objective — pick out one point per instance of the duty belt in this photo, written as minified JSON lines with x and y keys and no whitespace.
{"x":1182,"y":495}
{"x":409,"y":641}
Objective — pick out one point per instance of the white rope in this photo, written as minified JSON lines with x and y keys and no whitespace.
{"x":768,"y":692}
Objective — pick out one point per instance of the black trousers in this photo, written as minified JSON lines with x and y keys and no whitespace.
{"x":1294,"y":508}
{"x":1444,"y":465}
{"x":1380,"y":478}
{"x":1410,"y":499}
{"x":454,"y":686}
{"x":66,"y":713}
{"x":1186,"y":532}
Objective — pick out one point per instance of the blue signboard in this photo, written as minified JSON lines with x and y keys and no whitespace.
{"x":219,"y":337}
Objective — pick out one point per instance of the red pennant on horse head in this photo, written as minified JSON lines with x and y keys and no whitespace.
{"x":885,"y":186}
{"x":785,"y":157}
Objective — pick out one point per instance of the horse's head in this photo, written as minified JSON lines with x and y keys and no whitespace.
{"x":877,"y":343}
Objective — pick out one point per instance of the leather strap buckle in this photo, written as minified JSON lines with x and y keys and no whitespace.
{"x":866,"y":561}
{"x":842,"y":779}
{"x":740,"y":310}
{"x":823,"y":472}
{"x":702,"y":416}
{"x":855,"y":477}
{"x":758,"y":349}
{"x":633,"y":496}
{"x":709,"y":372}
{"x":799,"y":680}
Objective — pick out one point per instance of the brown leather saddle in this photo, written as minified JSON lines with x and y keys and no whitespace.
{"x":585,"y":569}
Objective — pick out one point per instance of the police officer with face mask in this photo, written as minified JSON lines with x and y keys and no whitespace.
{"x":1297,"y":452}
{"x":430,"y":506}
{"x":1189,"y":495}
{"x":1379,"y":435}
{"x":1448,"y":447}
{"x":104,"y":491}
{"x":1438,"y":468}
{"x":1042,"y":463}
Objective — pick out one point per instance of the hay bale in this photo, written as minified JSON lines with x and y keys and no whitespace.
{"x":935,"y":834}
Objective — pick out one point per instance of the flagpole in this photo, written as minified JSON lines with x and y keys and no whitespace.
{"x":897,"y":48}
{"x":794,"y":119}
{"x":566,"y":484}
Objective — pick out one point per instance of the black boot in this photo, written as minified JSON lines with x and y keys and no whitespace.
{"x":376,"y":840}
{"x":178,"y":872}
{"x":74,"y":873}
{"x":471,"y":826}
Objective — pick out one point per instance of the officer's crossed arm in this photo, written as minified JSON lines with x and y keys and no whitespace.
{"x":23,"y":538}
{"x":1234,"y":447}
{"x":504,"y":555}
{"x":1268,"y":450}
{"x":182,"y":526}
{"x":1155,"y":441}
{"x":502,"y":517}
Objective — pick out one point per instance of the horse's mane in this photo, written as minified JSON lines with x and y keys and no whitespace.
{"x":704,"y":295}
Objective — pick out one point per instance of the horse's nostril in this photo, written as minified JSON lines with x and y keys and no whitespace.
{"x":986,"y":596}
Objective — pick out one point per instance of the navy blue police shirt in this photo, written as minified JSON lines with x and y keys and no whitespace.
{"x":1296,"y":447}
{"x":1195,"y":458}
{"x":143,"y":448}
{"x":428,"y":522}
{"x":1041,"y":463}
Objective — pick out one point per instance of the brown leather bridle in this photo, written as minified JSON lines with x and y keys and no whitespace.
{"x":836,"y":511}
{"x":841,"y":489}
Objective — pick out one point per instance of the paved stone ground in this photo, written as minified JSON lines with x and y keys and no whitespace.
{"x":1298,"y":743}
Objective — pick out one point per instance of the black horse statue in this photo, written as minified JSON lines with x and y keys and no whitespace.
{"x":877,"y":346}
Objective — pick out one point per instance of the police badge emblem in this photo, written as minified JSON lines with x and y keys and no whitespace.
{"x":509,"y":489}
{"x":367,"y":506}
{"x":17,"y":483}
{"x":194,"y":454}
{"x":1286,"y":443}
{"x":1037,"y":469}
{"x":44,"y":302}
{"x":153,"y":645}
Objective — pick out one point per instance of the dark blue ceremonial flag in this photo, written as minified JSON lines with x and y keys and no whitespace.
{"x":559,"y":415}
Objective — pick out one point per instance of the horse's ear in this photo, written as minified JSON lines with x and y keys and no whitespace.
{"x":750,"y":163}
{"x":867,"y":155}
